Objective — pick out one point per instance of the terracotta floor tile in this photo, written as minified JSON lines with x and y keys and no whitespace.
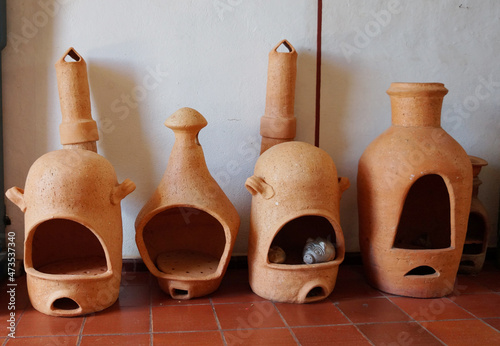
{"x":134,"y":295}
{"x":406,"y":333}
{"x":372,"y":310}
{"x":5,"y":323}
{"x":315,"y":314}
{"x":44,"y":341}
{"x":34,"y":323}
{"x":481,"y":305}
{"x":490,"y":279}
{"x":494,"y":322}
{"x":183,"y":318}
{"x":350,"y":272}
{"x":469,"y":284}
{"x":104,"y":340}
{"x":192,"y":338}
{"x":352,"y":289}
{"x":136,"y":278}
{"x":331,"y":335}
{"x":239,"y":292}
{"x":468,"y":332}
{"x":431,"y":309}
{"x":160,"y":298}
{"x":248,"y":315}
{"x":117,"y":319}
{"x":20,"y":297}
{"x":255,"y":337}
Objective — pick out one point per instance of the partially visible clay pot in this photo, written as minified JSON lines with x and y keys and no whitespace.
{"x":278,"y":125}
{"x":186,"y":231}
{"x":73,"y":226}
{"x":476,"y":240}
{"x":414,"y":195}
{"x":296,"y":196}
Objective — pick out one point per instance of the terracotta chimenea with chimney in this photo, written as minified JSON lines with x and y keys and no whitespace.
{"x":71,"y":200}
{"x":414,"y":195}
{"x":296,"y":193}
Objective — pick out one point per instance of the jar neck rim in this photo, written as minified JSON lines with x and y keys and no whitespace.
{"x":417,"y":89}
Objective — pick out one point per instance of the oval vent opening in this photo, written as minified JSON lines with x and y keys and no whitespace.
{"x":421,"y":271}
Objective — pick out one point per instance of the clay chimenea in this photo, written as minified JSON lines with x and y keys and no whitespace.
{"x":296,"y":197}
{"x":186,"y":231}
{"x":71,"y":200}
{"x":414,"y":195}
{"x":295,"y":242}
{"x":476,"y":240}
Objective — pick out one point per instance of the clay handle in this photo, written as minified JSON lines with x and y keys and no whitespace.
{"x":16,"y":196}
{"x":344,"y":184}
{"x":256,"y":185}
{"x":121,"y":191}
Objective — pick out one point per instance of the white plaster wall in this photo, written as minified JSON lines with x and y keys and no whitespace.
{"x":212,"y":56}
{"x":368,"y":45}
{"x":208,"y":55}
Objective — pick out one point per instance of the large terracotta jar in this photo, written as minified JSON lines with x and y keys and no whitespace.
{"x":296,"y":197}
{"x":186,"y":231}
{"x":414,"y":195}
{"x":476,"y":240}
{"x":71,"y":200}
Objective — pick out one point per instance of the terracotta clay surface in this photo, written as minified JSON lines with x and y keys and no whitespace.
{"x":476,"y":241}
{"x":278,"y":124}
{"x":296,"y":196}
{"x":73,"y":226}
{"x":186,"y":231}
{"x":414,"y":195}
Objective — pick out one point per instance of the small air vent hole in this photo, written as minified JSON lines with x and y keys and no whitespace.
{"x":177,"y":293}
{"x":65,"y":304}
{"x":421,"y":271}
{"x":315,"y":292}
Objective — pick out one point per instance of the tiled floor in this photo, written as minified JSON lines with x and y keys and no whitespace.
{"x":354,"y":314}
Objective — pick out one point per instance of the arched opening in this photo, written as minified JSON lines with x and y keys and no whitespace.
{"x":475,"y":241}
{"x":65,"y":304}
{"x":425,"y":219}
{"x":293,"y":236}
{"x":185,"y":242}
{"x":61,"y":246}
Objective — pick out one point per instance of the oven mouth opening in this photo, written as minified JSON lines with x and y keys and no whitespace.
{"x":185,"y":242}
{"x":424,"y":222}
{"x":287,"y":247}
{"x":66,"y":247}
